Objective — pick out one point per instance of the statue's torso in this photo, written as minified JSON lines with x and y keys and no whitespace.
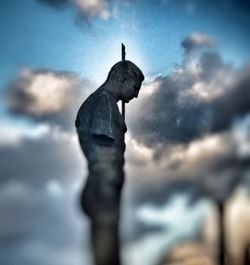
{"x":100,"y":114}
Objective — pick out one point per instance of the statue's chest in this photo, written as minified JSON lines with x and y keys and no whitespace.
{"x":118,"y":122}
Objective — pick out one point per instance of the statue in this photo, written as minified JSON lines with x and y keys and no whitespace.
{"x":101,"y":129}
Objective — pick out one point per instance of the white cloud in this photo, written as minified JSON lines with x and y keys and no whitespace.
{"x":54,"y":188}
{"x":241,"y":134}
{"x":137,"y":152}
{"x":93,"y":8}
{"x":12,"y":134}
{"x":179,"y":222}
{"x":41,"y":93}
{"x":47,"y":96}
{"x":86,"y":9}
{"x":174,"y":214}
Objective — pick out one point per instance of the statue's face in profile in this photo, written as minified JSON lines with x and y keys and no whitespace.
{"x":130,"y":89}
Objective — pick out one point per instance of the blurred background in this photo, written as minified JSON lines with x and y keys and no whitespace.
{"x":186,"y":198}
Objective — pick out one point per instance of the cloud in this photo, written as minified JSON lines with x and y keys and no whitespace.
{"x":53,"y":155}
{"x":191,"y":101}
{"x":188,"y":132}
{"x":224,"y":8}
{"x":39,"y":187}
{"x":46,"y":96}
{"x":171,"y":212}
{"x":241,"y":134}
{"x":86,"y":9}
{"x":170,"y":218}
{"x":209,"y":167}
{"x":12,"y":134}
{"x":171,"y":113}
{"x":224,"y":111}
{"x":195,"y":41}
{"x":42,"y":172}
{"x":37,"y":237}
{"x":178,"y":142}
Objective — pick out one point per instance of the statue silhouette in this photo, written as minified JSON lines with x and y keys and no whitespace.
{"x":101,"y":129}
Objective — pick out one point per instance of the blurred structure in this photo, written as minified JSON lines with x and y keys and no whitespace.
{"x":101,"y":129}
{"x":192,"y":253}
{"x":237,"y":228}
{"x":226,"y":228}
{"x":200,"y":251}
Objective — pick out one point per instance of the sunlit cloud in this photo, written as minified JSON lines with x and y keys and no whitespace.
{"x":136,"y":152}
{"x":86,"y":9}
{"x":47,"y":96}
{"x":93,"y":8}
{"x":42,"y":93}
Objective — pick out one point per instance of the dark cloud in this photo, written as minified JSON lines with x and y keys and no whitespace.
{"x":52,"y":156}
{"x":233,"y":103}
{"x":210,"y":64}
{"x":207,"y":168}
{"x":196,"y":40}
{"x":42,"y":173}
{"x":201,"y":96}
{"x":39,"y":188}
{"x":160,"y":194}
{"x":47,"y":96}
{"x":33,"y":221}
{"x":169,"y":117}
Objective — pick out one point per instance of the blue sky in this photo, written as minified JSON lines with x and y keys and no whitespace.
{"x":188,"y":131}
{"x":35,"y":35}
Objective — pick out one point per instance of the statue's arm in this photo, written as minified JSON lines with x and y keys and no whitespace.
{"x":101,"y":124}
{"x":103,"y":139}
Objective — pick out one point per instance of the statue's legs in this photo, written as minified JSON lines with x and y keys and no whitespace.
{"x":101,"y":202}
{"x":105,"y":243}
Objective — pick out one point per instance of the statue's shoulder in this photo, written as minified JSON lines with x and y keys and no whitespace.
{"x":100,"y":95}
{"x":95,"y":96}
{"x":98,"y":101}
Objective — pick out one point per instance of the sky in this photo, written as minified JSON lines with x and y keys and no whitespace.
{"x":188,"y":132}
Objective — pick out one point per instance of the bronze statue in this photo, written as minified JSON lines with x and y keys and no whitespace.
{"x":101,"y":128}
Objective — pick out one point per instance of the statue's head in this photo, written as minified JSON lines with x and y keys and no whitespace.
{"x":127,"y":78}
